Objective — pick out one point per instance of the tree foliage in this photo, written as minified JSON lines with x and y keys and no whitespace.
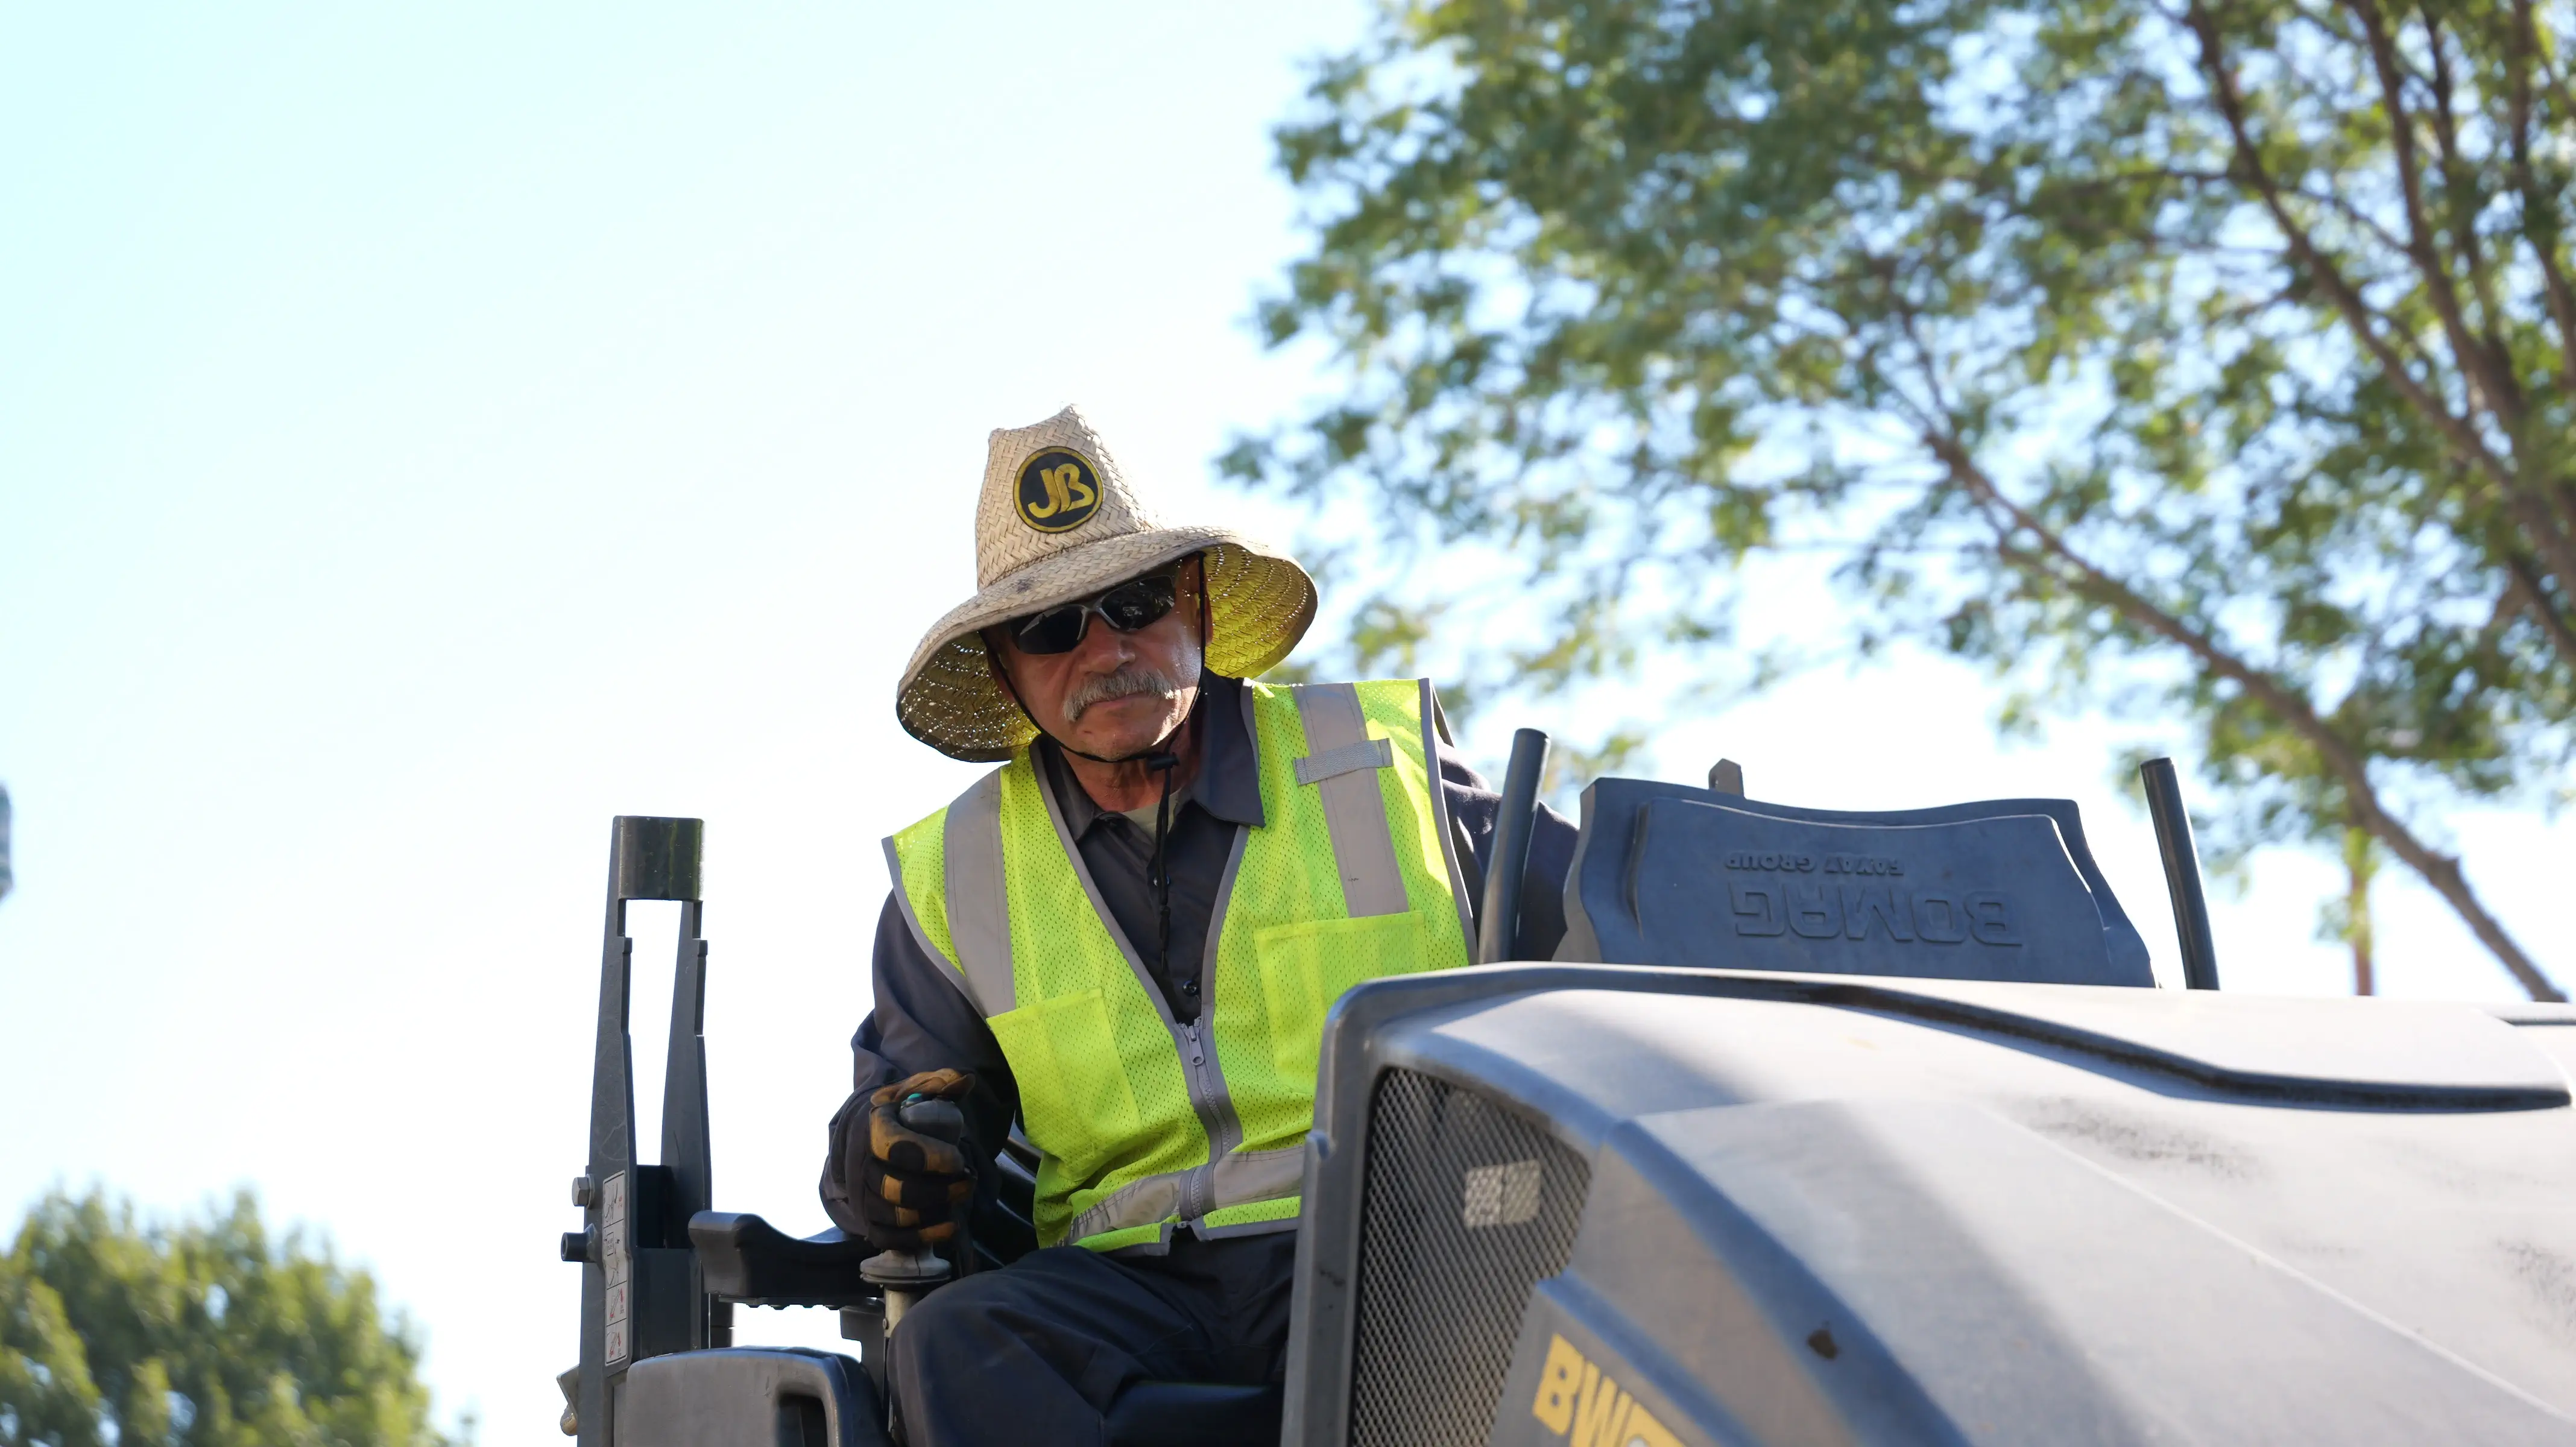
{"x":2210,"y":359}
{"x":203,"y":1333}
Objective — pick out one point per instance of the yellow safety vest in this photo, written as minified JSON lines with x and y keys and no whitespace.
{"x":1141,"y":1122}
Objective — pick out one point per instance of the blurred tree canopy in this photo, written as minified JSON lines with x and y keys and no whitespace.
{"x":203,"y":1333}
{"x":2209,"y":360}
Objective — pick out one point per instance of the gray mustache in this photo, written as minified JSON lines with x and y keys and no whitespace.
{"x":1127,"y":682}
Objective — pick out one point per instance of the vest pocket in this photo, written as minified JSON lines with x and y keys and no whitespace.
{"x":1306,"y":967}
{"x":1073,"y":1085}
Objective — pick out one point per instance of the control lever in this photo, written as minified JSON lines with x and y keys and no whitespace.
{"x":908,"y":1275}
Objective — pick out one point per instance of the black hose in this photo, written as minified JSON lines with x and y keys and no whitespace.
{"x":2182,"y":873}
{"x":1498,"y":924}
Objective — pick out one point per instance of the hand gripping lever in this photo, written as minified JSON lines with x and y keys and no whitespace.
{"x":908,"y":1275}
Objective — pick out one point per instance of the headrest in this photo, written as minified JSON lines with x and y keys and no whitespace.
{"x":2001,"y":889}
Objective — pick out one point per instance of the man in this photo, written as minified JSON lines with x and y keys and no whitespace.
{"x":1127,"y":936}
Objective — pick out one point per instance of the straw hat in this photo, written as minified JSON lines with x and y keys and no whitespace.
{"x":1057,"y":521}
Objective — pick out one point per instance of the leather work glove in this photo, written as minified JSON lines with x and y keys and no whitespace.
{"x":910,"y":1188}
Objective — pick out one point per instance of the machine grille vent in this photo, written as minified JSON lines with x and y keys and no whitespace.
{"x":1466,"y":1207}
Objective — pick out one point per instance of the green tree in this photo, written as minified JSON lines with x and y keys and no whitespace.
{"x":2209,"y":360}
{"x":203,"y":1332}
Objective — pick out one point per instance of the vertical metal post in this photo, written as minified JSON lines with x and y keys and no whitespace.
{"x":626,"y":1204}
{"x":686,"y":1151}
{"x":1498,"y":924}
{"x":2182,"y":873}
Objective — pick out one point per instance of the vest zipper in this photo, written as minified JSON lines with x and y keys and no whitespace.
{"x":1198,"y":1191}
{"x":1203,"y":1077}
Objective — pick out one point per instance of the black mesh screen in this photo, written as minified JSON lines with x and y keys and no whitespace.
{"x":1467,"y":1207}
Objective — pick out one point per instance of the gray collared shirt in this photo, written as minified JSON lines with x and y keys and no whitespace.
{"x":923,"y":1020}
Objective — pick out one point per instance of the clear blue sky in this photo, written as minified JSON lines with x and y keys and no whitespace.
{"x":425,"y":433}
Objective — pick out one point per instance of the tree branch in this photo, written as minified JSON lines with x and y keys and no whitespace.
{"x":2525,"y":586}
{"x":2356,"y":312}
{"x":2537,"y":512}
{"x":2464,"y":223}
{"x":2549,"y":73}
{"x":2481,"y":367}
{"x":2072,"y":569}
{"x":2543,"y":237}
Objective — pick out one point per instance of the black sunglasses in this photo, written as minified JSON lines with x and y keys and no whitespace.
{"x":1136,"y":603}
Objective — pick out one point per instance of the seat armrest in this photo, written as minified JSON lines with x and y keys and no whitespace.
{"x":745,"y":1259}
{"x":750,"y":1397}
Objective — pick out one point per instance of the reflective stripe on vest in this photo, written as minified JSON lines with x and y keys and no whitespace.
{"x":1143,"y":1122}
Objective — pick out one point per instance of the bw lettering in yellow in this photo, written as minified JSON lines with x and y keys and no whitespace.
{"x":1581,"y":1403}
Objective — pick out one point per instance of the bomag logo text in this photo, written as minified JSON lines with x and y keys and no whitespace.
{"x":1581,"y":1403}
{"x":1827,"y":910}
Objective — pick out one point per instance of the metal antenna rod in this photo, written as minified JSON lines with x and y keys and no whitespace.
{"x":2182,"y":873}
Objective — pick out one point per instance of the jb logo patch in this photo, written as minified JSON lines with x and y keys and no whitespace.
{"x":1059,"y":490}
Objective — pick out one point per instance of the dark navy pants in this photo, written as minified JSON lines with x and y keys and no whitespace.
{"x":1033,"y":1354}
